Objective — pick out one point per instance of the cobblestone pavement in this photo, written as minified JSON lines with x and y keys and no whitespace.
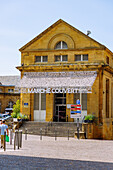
{"x":60,"y":154}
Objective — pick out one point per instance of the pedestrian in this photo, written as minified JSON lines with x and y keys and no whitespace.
{"x":3,"y":127}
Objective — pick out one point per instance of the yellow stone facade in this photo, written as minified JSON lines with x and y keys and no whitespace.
{"x":100,"y":59}
{"x":6,"y":97}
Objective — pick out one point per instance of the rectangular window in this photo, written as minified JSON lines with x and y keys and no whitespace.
{"x":0,"y":90}
{"x":43,"y":101}
{"x":64,"y":58}
{"x":37,"y":58}
{"x":36,"y":101}
{"x":83,"y":98}
{"x":107,"y":98}
{"x":76,"y":96}
{"x":10,"y":90}
{"x":85,"y":57}
{"x":84,"y":101}
{"x":44,"y":58}
{"x":60,"y":98}
{"x":57,"y":58}
{"x":61,"y":58}
{"x":77,"y":57}
{"x":41,"y":58}
{"x":81,"y":57}
{"x":107,"y":59}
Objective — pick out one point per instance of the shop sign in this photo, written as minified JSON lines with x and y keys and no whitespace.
{"x":53,"y":90}
{"x":75,"y":111}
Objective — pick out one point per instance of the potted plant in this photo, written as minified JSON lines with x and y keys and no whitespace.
{"x":16,"y":111}
{"x":25,"y":118}
{"x":14,"y":116}
{"x":89,"y":118}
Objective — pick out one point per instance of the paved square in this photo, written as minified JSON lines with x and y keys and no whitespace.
{"x":68,"y":154}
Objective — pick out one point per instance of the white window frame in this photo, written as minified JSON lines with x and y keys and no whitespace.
{"x":10,"y":90}
{"x":81,"y":57}
{"x":41,"y":59}
{"x":61,"y":45}
{"x":61,"y":58}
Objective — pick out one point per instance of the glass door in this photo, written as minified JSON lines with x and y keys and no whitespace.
{"x":60,"y":113}
{"x":60,"y":107}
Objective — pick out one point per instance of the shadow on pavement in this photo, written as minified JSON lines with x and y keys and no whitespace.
{"x":25,"y":162}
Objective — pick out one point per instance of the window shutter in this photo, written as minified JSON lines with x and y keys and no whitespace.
{"x":43,"y":101}
{"x":84,"y":101}
{"x":36,"y":101}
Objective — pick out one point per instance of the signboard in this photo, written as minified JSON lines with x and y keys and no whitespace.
{"x":53,"y":90}
{"x":68,"y":106}
{"x":75,"y":111}
{"x":25,"y":104}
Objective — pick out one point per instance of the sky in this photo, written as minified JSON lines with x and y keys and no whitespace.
{"x":22,"y":20}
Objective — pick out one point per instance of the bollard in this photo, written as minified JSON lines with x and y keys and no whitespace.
{"x":20,"y":139}
{"x":45,"y":131}
{"x":67,"y":118}
{"x":15,"y":141}
{"x":4,"y":141}
{"x":10,"y":136}
{"x":68,"y":134}
{"x":16,"y":138}
{"x":26,"y":134}
{"x":78,"y":128}
{"x":40,"y":133}
{"x":55,"y":135}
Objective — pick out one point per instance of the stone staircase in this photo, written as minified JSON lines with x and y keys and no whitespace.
{"x":49,"y":128}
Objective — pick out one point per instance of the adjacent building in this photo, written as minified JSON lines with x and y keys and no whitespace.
{"x":61,"y":65}
{"x":8,"y":97}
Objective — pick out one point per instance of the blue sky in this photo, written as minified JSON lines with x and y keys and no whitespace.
{"x":22,"y":20}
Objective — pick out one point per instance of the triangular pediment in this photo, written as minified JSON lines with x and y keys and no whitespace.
{"x":61,"y":30}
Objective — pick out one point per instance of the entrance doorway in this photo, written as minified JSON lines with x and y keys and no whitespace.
{"x":60,"y":108}
{"x":60,"y":113}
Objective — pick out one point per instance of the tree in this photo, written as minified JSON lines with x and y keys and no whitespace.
{"x":16,"y":109}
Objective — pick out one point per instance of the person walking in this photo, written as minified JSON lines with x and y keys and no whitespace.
{"x":3,"y":127}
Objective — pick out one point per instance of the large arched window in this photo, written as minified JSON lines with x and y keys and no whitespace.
{"x":10,"y":104}
{"x":61,"y":45}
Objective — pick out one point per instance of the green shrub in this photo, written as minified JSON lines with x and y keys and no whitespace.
{"x":89,"y":117}
{"x":13,"y":115}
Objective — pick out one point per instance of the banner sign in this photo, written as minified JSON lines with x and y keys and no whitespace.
{"x":52,"y":90}
{"x":75,"y":111}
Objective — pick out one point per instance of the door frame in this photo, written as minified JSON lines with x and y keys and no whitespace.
{"x":58,"y":109}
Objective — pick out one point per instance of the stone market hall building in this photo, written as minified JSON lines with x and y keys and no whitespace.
{"x":8,"y":97}
{"x":61,"y":65}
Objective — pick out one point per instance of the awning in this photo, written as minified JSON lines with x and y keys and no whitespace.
{"x":77,"y":79}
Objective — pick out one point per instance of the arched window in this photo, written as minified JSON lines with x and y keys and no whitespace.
{"x":61,"y":45}
{"x":10,"y":104}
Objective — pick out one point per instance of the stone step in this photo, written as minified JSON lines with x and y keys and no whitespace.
{"x":48,"y":129}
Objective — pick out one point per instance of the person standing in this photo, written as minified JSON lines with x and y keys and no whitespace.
{"x":3,"y":127}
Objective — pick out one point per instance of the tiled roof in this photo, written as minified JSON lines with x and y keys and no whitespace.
{"x":9,"y":80}
{"x":76,"y":79}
